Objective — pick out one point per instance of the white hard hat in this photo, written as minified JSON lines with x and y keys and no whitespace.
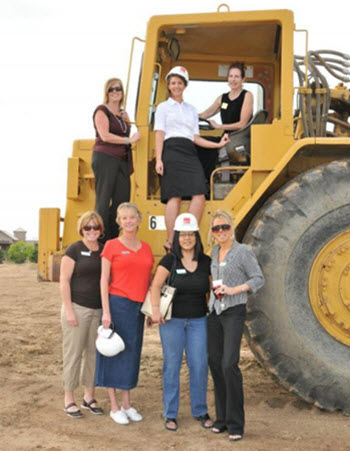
{"x":179,"y":71}
{"x":186,"y":222}
{"x":108,"y":342}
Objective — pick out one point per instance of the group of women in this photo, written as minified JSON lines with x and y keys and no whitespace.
{"x":109,"y":284}
{"x":176,"y":137}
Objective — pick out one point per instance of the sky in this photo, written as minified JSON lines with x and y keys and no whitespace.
{"x":54,"y":59}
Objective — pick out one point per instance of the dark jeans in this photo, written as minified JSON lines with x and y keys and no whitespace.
{"x":224,"y":341}
{"x":112,"y":184}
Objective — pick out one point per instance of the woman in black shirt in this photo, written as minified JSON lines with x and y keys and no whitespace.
{"x":81,"y":313}
{"x":187,"y":328}
{"x":236,"y":106}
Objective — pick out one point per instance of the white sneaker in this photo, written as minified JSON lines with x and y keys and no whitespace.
{"x":132,"y":414}
{"x":119,"y":417}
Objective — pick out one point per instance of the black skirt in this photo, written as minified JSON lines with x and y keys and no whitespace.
{"x":183,"y":173}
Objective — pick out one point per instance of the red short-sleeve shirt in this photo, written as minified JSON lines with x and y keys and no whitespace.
{"x":130,"y":270}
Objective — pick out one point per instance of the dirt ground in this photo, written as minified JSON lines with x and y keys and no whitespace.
{"x":31,"y":397}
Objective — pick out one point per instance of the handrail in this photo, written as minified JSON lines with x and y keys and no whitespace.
{"x":225,"y":168}
{"x":135,"y":38}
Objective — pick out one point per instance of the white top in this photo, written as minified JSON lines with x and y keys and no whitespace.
{"x":177,"y":120}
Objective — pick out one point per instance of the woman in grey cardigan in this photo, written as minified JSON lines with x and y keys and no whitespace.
{"x":235,"y":272}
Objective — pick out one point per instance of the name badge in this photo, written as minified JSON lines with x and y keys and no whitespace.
{"x":222,"y":264}
{"x":181,"y":271}
{"x":125,"y":252}
{"x":86,"y":254}
{"x":224,"y":106}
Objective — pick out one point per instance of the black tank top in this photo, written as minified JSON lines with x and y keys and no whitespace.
{"x":230,"y":110}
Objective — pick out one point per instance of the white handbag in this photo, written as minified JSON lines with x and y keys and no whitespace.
{"x":166,"y":297}
{"x":166,"y":302}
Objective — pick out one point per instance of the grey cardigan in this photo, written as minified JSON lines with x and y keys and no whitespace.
{"x":239,"y":266}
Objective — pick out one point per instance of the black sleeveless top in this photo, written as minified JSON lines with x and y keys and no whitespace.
{"x":230,"y":110}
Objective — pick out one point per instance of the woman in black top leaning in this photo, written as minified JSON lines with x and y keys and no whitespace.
{"x":81,"y":313}
{"x":187,"y":328}
{"x":112,"y":158}
{"x":236,"y":106}
{"x":235,"y":272}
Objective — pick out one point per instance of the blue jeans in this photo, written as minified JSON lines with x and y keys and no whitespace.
{"x":177,"y":335}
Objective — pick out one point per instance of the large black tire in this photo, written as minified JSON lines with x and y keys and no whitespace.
{"x":282,"y":329}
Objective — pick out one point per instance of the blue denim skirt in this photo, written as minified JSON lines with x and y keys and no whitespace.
{"x":122,"y":370}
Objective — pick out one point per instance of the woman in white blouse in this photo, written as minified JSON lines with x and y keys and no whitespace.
{"x":177,"y":130}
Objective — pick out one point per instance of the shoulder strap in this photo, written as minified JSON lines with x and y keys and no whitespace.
{"x":172,"y":271}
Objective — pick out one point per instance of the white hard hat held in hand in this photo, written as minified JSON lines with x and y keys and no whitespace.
{"x":108,"y":342}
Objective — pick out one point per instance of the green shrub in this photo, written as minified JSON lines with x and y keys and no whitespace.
{"x":2,"y":255}
{"x":32,"y":253}
{"x":18,"y":252}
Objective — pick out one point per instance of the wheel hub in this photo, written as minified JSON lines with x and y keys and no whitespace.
{"x":329,"y":287}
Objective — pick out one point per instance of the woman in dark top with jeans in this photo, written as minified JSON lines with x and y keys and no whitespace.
{"x":112,"y":159}
{"x":187,"y":328}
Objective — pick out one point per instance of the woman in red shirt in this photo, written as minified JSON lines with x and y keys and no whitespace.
{"x":126,"y":269}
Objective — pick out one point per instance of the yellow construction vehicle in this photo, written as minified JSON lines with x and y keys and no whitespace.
{"x":290,"y":196}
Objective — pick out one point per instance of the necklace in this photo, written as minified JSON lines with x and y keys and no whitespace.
{"x":121,"y":123}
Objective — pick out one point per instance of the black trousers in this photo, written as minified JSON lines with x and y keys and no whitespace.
{"x":112,"y":184}
{"x":224,"y":342}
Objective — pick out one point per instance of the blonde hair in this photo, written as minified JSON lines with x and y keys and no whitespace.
{"x":223,"y":214}
{"x":108,"y":84}
{"x":85,"y":218}
{"x":130,"y":206}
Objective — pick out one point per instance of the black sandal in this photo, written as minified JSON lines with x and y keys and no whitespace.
{"x":95,"y":410}
{"x":218,"y":429}
{"x":203,"y":419}
{"x":170,"y":420}
{"x":76,"y":414}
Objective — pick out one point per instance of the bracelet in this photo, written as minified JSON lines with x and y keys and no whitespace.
{"x":242,"y":289}
{"x":127,"y":141}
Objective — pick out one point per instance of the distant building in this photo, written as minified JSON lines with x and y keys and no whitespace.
{"x":20,"y":234}
{"x":6,"y":239}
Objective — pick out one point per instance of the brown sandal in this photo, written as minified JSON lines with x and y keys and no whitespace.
{"x":76,"y":414}
{"x":95,"y":410}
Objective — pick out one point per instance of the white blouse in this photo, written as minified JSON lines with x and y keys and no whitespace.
{"x":177,"y":120}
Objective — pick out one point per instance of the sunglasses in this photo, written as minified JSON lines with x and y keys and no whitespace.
{"x":223,"y":227}
{"x":116,"y":88}
{"x":87,"y":228}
